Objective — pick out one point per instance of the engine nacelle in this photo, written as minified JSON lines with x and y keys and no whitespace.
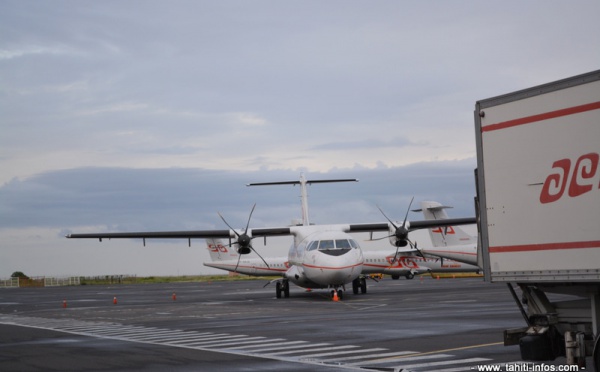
{"x":399,"y":235}
{"x":244,"y":243}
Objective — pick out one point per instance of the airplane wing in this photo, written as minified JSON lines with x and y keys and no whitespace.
{"x":197,"y":234}
{"x":413,"y":225}
{"x":398,"y":234}
{"x":262,"y":232}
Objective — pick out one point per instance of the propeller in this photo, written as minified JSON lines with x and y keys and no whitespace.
{"x":400,"y":232}
{"x":244,"y":241}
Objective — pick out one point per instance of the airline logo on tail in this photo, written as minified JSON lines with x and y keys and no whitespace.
{"x":447,"y":230}
{"x":219,"y":251}
{"x":217,"y":248}
{"x":443,"y":236}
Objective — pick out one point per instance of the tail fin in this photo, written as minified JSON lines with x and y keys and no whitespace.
{"x":303,"y":192}
{"x":444,"y":236}
{"x":219,"y":251}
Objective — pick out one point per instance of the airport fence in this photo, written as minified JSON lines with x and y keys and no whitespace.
{"x":56,"y":282}
{"x":39,"y":282}
{"x":9,"y":283}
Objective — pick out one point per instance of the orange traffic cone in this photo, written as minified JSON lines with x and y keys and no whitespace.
{"x":65,"y":304}
{"x":335,"y":296}
{"x":115,"y":300}
{"x":174,"y":296}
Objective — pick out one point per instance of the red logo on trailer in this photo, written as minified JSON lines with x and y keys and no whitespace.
{"x":583,"y":178}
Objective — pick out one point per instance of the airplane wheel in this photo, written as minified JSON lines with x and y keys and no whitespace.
{"x":410,"y":275}
{"x":363,"y":285}
{"x":278,"y":289}
{"x":340,"y":294}
{"x":395,"y":277}
{"x":286,"y":289}
{"x":355,"y":286}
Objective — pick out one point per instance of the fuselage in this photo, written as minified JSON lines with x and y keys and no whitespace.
{"x":323,"y":257}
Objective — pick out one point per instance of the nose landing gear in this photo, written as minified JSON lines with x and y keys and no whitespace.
{"x":337,"y":291}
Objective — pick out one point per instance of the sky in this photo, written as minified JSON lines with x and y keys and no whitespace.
{"x":153,"y":115}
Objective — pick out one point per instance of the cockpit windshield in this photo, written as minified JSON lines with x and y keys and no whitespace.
{"x":326,"y":245}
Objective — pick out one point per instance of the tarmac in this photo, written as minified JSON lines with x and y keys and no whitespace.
{"x":422,"y":324}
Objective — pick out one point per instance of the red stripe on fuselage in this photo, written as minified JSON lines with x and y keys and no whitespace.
{"x":330,"y":268}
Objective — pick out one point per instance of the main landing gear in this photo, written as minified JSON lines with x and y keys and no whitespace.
{"x":359,"y":284}
{"x":282,"y":287}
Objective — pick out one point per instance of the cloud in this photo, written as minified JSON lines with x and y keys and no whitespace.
{"x":177,"y":198}
{"x":366,"y":144}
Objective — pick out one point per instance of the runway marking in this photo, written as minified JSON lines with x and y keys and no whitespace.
{"x":439,"y":351}
{"x":403,"y":359}
{"x":442,"y":363}
{"x":369,"y":356}
{"x":312,"y":356}
{"x":311,"y":350}
{"x":277,"y":345}
{"x":301,"y":351}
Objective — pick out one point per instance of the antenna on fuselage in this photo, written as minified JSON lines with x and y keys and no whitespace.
{"x":303,"y":191}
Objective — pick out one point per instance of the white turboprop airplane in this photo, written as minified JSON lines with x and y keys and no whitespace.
{"x":375,"y":262}
{"x":450,"y":242}
{"x":321,"y":256}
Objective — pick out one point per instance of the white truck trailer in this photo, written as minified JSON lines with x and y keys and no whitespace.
{"x":538,"y":208}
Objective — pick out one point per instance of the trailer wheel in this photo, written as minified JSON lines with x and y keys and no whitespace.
{"x":596,"y":354}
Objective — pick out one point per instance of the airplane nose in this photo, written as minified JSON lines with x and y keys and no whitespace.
{"x":334,"y":270}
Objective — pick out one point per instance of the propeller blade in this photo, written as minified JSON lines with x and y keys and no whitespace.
{"x":395,"y":256}
{"x":387,"y":218}
{"x":228,"y":225}
{"x":408,"y":210}
{"x":271,"y":281}
{"x":238,"y":263}
{"x":260,"y":257}
{"x":417,"y":249}
{"x":249,"y":217}
{"x":376,"y":239}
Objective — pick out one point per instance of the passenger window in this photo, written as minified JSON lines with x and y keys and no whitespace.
{"x":326,"y":244}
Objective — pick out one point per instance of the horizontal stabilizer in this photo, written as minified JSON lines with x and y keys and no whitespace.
{"x":308,"y":182}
